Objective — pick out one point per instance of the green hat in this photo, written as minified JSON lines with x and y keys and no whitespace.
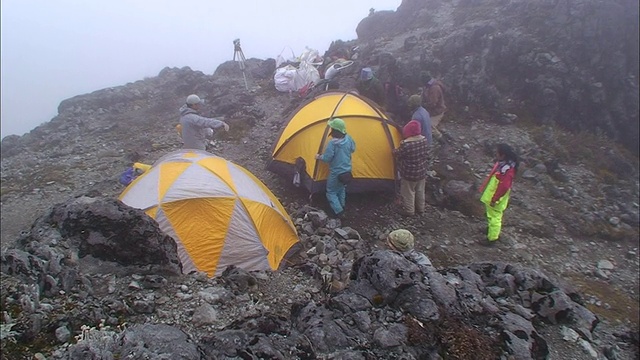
{"x":401,"y":239}
{"x":337,"y":124}
{"x":414,"y":101}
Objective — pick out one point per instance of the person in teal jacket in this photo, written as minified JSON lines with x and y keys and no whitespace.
{"x":338,"y":155}
{"x":497,"y":189}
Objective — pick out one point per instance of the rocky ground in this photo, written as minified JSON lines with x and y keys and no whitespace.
{"x":568,"y":251}
{"x":571,"y":219}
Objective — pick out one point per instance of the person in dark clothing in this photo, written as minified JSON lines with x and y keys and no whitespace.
{"x":412,"y":156}
{"x":396,"y":102}
{"x":370,"y":87}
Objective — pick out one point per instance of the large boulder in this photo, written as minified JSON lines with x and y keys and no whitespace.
{"x":93,"y":235}
{"x":110,"y":230}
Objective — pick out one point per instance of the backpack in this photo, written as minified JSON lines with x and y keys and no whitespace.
{"x":397,"y":100}
{"x":394,"y":93}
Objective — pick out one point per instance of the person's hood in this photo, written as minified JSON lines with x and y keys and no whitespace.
{"x":412,"y":128}
{"x":366,"y":74}
{"x":413,"y":138}
{"x":185,"y":110}
{"x":340,"y":141}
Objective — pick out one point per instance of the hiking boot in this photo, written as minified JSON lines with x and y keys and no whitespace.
{"x":488,"y":243}
{"x":341,"y":215}
{"x":404,"y":212}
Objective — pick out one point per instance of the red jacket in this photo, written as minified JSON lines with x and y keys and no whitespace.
{"x":498,"y":182}
{"x":505,"y":175}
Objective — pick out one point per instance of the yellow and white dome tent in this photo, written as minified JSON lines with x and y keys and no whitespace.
{"x":218,"y":212}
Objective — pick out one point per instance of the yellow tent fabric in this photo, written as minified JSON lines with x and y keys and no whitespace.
{"x":306,"y":133}
{"x":218,"y":212}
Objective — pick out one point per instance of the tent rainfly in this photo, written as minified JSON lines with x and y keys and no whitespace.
{"x":306,"y":134}
{"x":218,"y":212}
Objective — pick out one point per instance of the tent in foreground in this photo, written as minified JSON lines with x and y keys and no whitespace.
{"x":218,"y":212}
{"x":306,"y":134}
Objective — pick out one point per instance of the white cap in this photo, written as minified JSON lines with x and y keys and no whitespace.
{"x":193,"y":99}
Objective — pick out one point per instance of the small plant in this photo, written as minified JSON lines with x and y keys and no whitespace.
{"x":102,"y":333}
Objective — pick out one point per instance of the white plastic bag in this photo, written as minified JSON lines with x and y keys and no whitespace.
{"x":284,"y":78}
{"x":288,"y":78}
{"x":306,"y":74}
{"x":311,"y":56}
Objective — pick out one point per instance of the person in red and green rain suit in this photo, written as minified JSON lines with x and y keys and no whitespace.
{"x":497,"y":189}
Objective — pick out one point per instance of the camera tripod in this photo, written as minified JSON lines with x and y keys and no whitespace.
{"x":238,"y":56}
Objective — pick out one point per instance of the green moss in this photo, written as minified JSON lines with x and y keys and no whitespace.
{"x":13,"y":309}
{"x":622,"y":306}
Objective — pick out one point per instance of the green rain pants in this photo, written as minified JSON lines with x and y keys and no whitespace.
{"x":494,"y":222}
{"x":494,"y":213}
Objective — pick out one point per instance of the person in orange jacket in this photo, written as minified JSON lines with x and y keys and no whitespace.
{"x":497,"y":189}
{"x":433,"y":100}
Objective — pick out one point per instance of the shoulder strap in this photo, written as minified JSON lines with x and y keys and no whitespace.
{"x":486,"y":180}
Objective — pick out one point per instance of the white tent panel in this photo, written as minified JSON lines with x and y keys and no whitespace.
{"x":143,"y":199}
{"x":197,"y":182}
{"x":247,"y":188}
{"x":242,"y":246}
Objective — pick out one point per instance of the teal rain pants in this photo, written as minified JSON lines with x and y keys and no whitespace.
{"x":336,"y":193}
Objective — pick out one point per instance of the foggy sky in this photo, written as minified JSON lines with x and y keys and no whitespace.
{"x":54,"y":50}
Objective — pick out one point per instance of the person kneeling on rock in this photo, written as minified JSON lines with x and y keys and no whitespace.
{"x":402,"y":240}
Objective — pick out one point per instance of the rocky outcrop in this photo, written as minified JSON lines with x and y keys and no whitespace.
{"x":574,"y":63}
{"x":373,"y":303}
{"x":89,"y":235}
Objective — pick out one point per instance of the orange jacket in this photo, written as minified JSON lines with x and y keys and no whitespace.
{"x":433,"y":98}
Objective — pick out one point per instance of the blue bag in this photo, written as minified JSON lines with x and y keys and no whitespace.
{"x":128,"y":176}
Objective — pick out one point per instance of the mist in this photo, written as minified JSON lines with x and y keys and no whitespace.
{"x":54,"y":50}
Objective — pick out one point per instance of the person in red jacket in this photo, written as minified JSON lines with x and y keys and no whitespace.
{"x":497,"y":189}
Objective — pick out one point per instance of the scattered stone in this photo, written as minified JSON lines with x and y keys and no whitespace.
{"x":205,"y":314}
{"x":605,"y":265}
{"x":63,"y":334}
{"x":586,"y":346}
{"x":569,"y":334}
{"x":344,"y":234}
{"x":134,"y":285}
